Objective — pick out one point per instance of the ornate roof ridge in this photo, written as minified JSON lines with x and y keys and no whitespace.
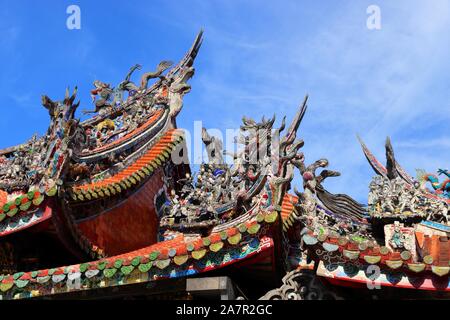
{"x":132,"y":174}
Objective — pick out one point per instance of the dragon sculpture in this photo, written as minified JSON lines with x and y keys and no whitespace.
{"x":440,"y":188}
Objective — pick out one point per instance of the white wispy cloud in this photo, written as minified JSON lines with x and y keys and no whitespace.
{"x":375,"y":83}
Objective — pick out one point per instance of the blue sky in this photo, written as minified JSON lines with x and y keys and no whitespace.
{"x":258,"y":58}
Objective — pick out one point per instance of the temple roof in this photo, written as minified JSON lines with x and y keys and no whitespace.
{"x":178,"y":257}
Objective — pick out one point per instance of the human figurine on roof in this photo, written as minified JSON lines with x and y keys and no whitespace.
{"x":104,"y":91}
{"x":397,"y":240}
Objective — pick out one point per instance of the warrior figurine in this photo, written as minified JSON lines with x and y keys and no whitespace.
{"x":397,"y":240}
{"x":105,"y":92}
{"x":373,"y":195}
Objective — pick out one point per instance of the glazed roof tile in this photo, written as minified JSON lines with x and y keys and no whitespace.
{"x":24,"y":204}
{"x":353,"y":251}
